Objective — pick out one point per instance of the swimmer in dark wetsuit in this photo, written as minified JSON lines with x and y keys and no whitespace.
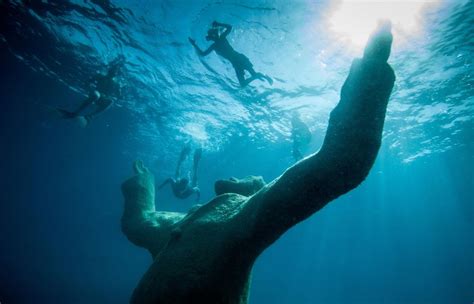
{"x":180,"y":185}
{"x":223,"y":48}
{"x":104,"y":89}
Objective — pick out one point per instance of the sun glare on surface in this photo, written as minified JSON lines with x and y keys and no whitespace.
{"x":354,"y":20}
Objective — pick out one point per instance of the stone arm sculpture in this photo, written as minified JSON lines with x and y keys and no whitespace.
{"x":141,"y":223}
{"x":352,"y":141}
{"x":207,"y":255}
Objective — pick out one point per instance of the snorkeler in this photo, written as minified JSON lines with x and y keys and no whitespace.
{"x":104,"y":89}
{"x":223,"y":48}
{"x":300,"y":134}
{"x":180,"y":185}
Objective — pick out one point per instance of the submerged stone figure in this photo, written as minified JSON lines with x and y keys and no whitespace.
{"x":223,"y":48}
{"x":104,"y":89}
{"x":246,"y":186}
{"x":180,"y":185}
{"x":206,"y":256}
{"x":300,"y":134}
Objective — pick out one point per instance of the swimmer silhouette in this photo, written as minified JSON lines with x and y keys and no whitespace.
{"x":104,"y":89}
{"x":180,"y":185}
{"x":206,"y":255}
{"x":223,"y":48}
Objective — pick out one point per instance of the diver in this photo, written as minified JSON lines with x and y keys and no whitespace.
{"x":223,"y":48}
{"x":180,"y":185}
{"x":300,"y":134}
{"x":104,"y":89}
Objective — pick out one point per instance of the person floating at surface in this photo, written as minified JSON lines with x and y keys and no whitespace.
{"x":104,"y":89}
{"x":207,"y":254}
{"x":300,"y":134}
{"x":180,"y":185}
{"x":223,"y":48}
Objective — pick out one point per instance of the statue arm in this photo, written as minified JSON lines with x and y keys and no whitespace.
{"x":349,"y":150}
{"x":141,"y":224}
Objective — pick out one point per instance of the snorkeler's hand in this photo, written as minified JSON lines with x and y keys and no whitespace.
{"x":192,"y":41}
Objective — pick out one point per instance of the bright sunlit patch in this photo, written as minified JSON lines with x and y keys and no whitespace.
{"x":354,"y":20}
{"x":196,"y":131}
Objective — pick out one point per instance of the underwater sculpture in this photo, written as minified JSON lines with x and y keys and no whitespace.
{"x":206,"y":256}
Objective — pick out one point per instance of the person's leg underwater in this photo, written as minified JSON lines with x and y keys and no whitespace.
{"x":102,"y":104}
{"x":241,"y":77}
{"x":240,"y":72}
{"x":93,"y":97}
{"x":182,"y":157}
{"x":258,"y":75}
{"x":197,"y":158}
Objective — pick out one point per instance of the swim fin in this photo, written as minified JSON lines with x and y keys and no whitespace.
{"x":262,"y":76}
{"x":268,"y":79}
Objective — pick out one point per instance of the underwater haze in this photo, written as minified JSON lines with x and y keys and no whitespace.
{"x":406,"y":235}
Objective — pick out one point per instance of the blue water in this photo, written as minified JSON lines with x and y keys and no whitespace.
{"x":404,"y":236}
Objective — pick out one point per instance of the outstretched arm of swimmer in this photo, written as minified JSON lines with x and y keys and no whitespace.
{"x":349,"y":150}
{"x":228,"y":28}
{"x":198,"y":50}
{"x":167,"y":181}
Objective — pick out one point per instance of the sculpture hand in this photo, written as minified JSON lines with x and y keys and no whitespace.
{"x":139,"y":167}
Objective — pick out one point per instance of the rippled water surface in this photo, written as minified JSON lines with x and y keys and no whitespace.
{"x":172,"y":91}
